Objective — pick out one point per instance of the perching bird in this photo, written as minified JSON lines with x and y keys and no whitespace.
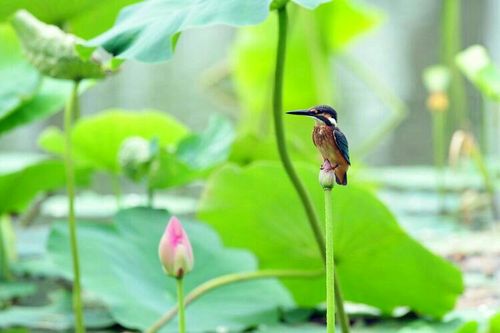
{"x":330,"y":141}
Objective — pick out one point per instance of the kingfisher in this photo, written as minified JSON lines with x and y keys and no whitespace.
{"x":329,"y":139}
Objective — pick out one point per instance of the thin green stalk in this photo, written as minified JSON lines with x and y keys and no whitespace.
{"x":151,"y":197}
{"x":450,"y":46}
{"x":5,"y":273}
{"x":180,"y":305}
{"x":228,"y":279}
{"x":330,"y":263}
{"x":70,"y":187}
{"x":486,"y":125}
{"x":280,"y":132}
{"x":117,"y":189}
{"x":282,"y":150}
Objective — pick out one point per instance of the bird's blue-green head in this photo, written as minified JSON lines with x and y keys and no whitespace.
{"x":324,"y":113}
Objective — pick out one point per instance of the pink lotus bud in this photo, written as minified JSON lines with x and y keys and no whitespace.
{"x":175,"y":251}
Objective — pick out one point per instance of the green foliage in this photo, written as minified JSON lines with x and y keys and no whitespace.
{"x":392,"y":271}
{"x":52,"y":51}
{"x":54,"y":316}
{"x":310,"y":4}
{"x":313,"y":38}
{"x":84,"y":18}
{"x":195,"y":156}
{"x":469,"y":327}
{"x":47,"y":101}
{"x":18,"y":80}
{"x":120,"y":264}
{"x":494,"y":324}
{"x":386,"y":326}
{"x":180,"y":159}
{"x":23,"y":176}
{"x":97,"y":140}
{"x":147,"y":31}
{"x":476,"y":64}
{"x":10,"y":290}
{"x":209,"y":148}
{"x":24,"y":96}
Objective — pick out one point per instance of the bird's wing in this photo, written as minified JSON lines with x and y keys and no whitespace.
{"x":342,"y":143}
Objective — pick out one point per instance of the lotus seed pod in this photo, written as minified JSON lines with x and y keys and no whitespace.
{"x":327,"y":175}
{"x":327,"y":178}
{"x":135,"y":156}
{"x":52,"y":51}
{"x":175,"y":251}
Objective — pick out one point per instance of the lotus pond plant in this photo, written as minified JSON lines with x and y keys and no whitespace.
{"x":245,"y":186}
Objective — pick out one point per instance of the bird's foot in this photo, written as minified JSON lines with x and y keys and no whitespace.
{"x":326,"y":166}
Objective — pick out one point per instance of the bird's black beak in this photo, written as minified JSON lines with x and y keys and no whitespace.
{"x":301,"y":113}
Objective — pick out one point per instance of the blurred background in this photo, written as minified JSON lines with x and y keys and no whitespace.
{"x":396,"y":52}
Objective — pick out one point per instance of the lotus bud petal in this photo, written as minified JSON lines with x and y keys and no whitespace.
{"x":175,"y":251}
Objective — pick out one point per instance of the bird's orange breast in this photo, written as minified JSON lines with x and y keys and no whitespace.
{"x":325,"y":142}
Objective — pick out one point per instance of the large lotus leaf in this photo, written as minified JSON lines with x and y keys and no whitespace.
{"x":49,"y":99}
{"x":386,"y":326}
{"x":147,"y":31}
{"x":19,"y":81}
{"x":55,"y":316}
{"x":120,"y":264}
{"x":378,"y":263}
{"x":342,"y":21}
{"x":312,"y":39}
{"x":195,"y":156}
{"x":22,"y":177}
{"x":310,"y":4}
{"x":84,"y":18}
{"x":98,"y":139}
{"x":209,"y":148}
{"x":24,"y":96}
{"x":11,"y":289}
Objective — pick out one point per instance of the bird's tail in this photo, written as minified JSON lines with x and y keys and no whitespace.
{"x":341,"y":178}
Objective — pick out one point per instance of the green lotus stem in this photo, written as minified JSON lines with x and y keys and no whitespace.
{"x":180,"y":305}
{"x":305,"y":199}
{"x":71,"y":107}
{"x":485,"y":130}
{"x":228,"y":279}
{"x":384,"y":93}
{"x":330,"y":263}
{"x":450,"y":46}
{"x":117,"y":189}
{"x":151,"y":196}
{"x":4,"y":252}
{"x":280,"y":132}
